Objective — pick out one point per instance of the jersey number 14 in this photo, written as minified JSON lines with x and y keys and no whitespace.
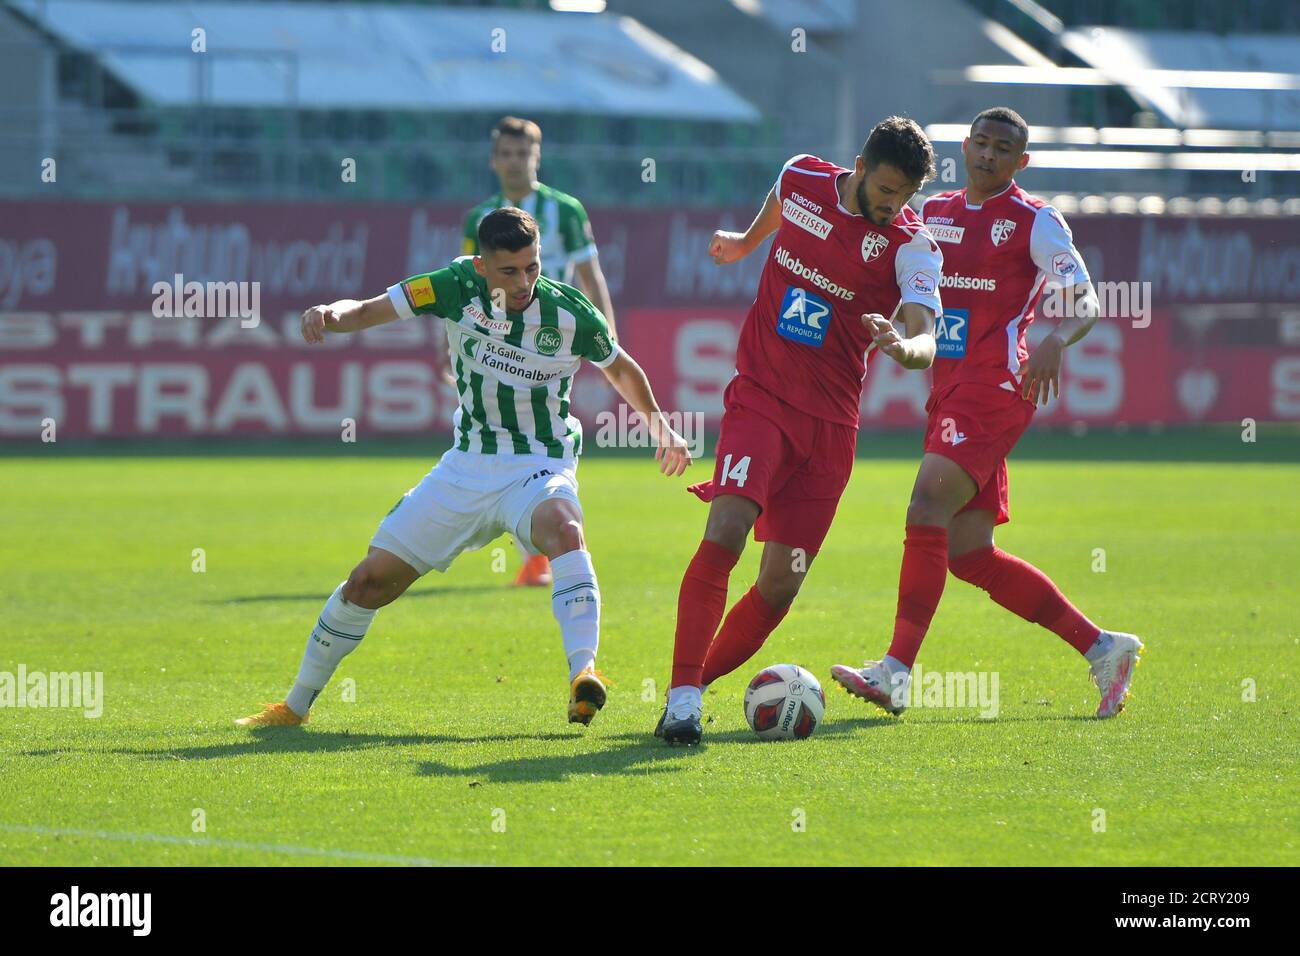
{"x":738,"y":474}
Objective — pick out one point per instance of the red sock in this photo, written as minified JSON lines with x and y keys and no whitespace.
{"x":1020,"y":587}
{"x":920,"y":585}
{"x":700,"y":604}
{"x":742,"y":634}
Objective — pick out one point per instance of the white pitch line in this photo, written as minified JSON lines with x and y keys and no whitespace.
{"x":226,"y":844}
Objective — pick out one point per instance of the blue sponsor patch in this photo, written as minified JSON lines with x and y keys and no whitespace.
{"x":950,"y":334}
{"x":804,"y":317}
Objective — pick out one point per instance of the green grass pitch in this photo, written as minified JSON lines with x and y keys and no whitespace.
{"x":456,"y":749}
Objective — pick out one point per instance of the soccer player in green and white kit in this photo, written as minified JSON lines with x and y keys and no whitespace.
{"x":516,"y":339}
{"x":568,"y":248}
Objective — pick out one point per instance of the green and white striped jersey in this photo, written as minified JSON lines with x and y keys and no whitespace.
{"x":566,"y":236}
{"x":514,"y":370}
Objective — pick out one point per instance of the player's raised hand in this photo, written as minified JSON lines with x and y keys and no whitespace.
{"x":1043,"y":371}
{"x":315,"y":321}
{"x":884,"y":336}
{"x":727,"y":247}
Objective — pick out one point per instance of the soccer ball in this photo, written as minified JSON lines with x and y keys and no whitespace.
{"x":784,"y":702}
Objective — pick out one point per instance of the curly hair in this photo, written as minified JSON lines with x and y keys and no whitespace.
{"x":898,"y":141}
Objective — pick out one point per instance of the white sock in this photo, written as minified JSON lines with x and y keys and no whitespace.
{"x":684,"y":698}
{"x":575,"y":601}
{"x":1100,"y":647}
{"x":337,"y":633}
{"x":895,"y":666}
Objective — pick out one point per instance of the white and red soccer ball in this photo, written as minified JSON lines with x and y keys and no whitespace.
{"x":784,"y":702}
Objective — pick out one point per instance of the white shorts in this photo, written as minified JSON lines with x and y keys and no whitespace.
{"x":468,"y":500}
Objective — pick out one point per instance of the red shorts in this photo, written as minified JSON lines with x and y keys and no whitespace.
{"x":793,"y":466}
{"x":976,"y":425}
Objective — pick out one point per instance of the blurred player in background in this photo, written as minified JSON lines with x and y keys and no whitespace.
{"x":568,"y":247}
{"x":848,"y":252}
{"x":517,"y":339}
{"x":1001,"y":248}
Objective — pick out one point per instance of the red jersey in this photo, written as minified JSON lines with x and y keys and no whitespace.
{"x":997,"y":259}
{"x":803,"y":339}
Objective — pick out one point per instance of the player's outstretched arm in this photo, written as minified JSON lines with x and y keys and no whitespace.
{"x":629,"y":381}
{"x":346,"y":315}
{"x":915,"y":351}
{"x":728,"y":247}
{"x":1043,"y":369}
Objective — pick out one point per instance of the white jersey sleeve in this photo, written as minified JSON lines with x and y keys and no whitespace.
{"x":1051,"y":246}
{"x":918,"y":267}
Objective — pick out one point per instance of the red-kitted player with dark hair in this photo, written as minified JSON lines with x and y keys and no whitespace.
{"x":848,"y":252}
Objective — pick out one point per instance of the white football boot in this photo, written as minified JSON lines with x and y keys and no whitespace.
{"x":1112,"y":672}
{"x":877,"y":683}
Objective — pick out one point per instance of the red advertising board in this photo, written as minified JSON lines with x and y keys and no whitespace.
{"x":1218,"y":338}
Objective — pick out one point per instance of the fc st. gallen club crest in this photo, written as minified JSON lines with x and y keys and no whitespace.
{"x":873,"y":244}
{"x":1002,"y":230}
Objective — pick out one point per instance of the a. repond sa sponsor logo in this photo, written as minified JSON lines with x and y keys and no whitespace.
{"x":950,"y":333}
{"x":825,"y":283}
{"x":956,"y":280}
{"x":804,"y":219}
{"x":804,"y":317}
{"x":103,"y":909}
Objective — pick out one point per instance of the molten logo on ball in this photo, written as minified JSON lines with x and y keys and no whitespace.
{"x":784,"y":702}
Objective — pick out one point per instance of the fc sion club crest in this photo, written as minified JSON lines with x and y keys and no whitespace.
{"x":873,"y":244}
{"x":1002,"y":230}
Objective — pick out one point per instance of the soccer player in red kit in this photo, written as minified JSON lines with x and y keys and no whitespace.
{"x":848,"y":252}
{"x":1003,"y":249}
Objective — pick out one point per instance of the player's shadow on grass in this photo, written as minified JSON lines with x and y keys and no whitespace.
{"x":282,"y":740}
{"x":634,"y":760}
{"x":641,"y":754}
{"x":497,"y":589}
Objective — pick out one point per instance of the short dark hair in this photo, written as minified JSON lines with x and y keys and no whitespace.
{"x":507,"y":228}
{"x":898,"y":141}
{"x":1004,"y":114}
{"x":514,"y":126}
